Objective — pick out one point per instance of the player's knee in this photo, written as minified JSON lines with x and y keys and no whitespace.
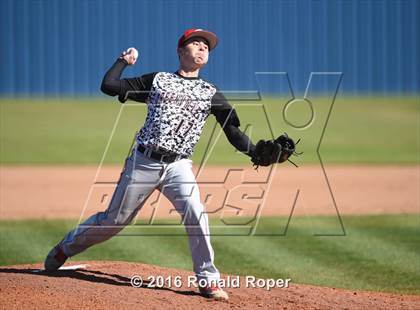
{"x":123,"y":218}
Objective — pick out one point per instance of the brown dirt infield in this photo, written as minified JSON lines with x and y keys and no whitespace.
{"x":106,"y":285}
{"x":61,"y":192}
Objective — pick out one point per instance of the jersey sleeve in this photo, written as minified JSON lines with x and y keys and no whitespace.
{"x":227,"y":117}
{"x":137,"y":88}
{"x":225,"y":114}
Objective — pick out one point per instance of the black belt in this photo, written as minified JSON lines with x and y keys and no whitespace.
{"x":166,"y":158}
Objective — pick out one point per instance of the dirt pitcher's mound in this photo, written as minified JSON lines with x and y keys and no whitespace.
{"x":107,"y":285}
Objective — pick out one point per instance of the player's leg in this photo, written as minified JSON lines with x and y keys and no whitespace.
{"x":180,"y":187}
{"x":139,"y":178}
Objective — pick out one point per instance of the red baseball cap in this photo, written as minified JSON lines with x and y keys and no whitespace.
{"x":191,"y":33}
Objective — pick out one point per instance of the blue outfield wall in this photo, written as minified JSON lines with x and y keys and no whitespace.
{"x":64,"y":47}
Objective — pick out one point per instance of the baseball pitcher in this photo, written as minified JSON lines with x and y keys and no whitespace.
{"x":178,"y":105}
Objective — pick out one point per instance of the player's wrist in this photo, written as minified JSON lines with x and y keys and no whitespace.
{"x":121,"y":59}
{"x":251,"y":151}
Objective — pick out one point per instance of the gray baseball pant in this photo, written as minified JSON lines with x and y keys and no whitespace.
{"x":140,"y":177}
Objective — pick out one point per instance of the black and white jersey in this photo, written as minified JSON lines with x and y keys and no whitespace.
{"x":178,"y":107}
{"x":177,"y":110}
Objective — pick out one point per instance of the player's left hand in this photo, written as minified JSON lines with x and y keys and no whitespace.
{"x":130,"y":55}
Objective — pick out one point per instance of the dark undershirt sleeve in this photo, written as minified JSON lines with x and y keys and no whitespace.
{"x":136,"y":89}
{"x":227,"y":118}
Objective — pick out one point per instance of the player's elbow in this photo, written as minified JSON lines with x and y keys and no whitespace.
{"x":231,"y":132}
{"x":107,"y":89}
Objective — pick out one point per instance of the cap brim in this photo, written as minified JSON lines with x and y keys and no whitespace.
{"x":209,"y":36}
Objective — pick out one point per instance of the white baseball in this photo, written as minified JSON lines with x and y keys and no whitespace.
{"x":133,"y":51}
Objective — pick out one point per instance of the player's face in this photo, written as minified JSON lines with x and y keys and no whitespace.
{"x":196,"y":52}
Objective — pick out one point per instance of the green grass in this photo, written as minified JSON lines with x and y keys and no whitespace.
{"x":360,"y":130}
{"x":379,"y":253}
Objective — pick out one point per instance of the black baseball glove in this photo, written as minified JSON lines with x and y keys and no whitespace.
{"x":268,"y":152}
